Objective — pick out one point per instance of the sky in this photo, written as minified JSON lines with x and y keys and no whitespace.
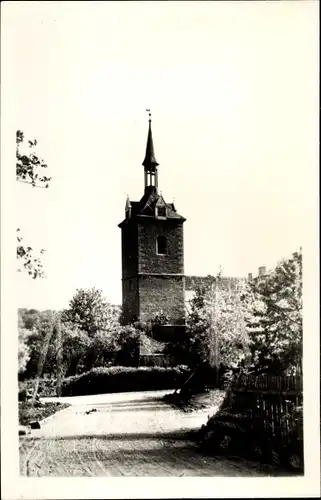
{"x":233,"y":89}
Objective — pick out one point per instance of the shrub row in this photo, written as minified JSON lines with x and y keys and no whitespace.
{"x":124,"y":379}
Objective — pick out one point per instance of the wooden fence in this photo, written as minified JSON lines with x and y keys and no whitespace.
{"x":155,"y":360}
{"x":286,"y":384}
{"x":269,"y":402}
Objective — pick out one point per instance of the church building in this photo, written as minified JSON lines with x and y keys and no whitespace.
{"x":152,"y":238}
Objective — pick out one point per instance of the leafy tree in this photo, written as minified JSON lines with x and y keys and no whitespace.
{"x":93,"y":323}
{"x":36,"y":342}
{"x":91,"y":312}
{"x":28,"y":318}
{"x":28,"y":168}
{"x":128,"y":339}
{"x":216,"y":326}
{"x":275,"y":319}
{"x":23,"y":351}
{"x":23,"y":348}
{"x":73,"y":346}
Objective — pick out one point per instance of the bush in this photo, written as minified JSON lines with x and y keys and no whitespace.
{"x":47,"y":388}
{"x":123,"y":379}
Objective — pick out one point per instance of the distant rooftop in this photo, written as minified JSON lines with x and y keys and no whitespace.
{"x":193,"y":282}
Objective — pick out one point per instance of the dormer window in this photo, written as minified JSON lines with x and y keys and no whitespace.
{"x":161,"y":211}
{"x":161,"y":245}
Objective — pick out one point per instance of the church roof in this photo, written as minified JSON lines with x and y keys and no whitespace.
{"x":147,"y":205}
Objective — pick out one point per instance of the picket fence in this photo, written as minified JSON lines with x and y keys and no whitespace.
{"x":155,"y":360}
{"x":269,"y":402}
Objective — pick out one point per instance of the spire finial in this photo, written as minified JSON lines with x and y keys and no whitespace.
{"x":128,"y":204}
{"x":150,"y":162}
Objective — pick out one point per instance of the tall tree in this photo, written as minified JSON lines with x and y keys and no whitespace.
{"x":23,"y":348}
{"x":91,"y":312}
{"x":216,"y":325}
{"x":275,"y":319}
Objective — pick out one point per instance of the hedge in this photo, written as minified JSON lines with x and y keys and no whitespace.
{"x":124,"y":379}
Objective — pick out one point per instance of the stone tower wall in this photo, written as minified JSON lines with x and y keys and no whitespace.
{"x":148,"y":259}
{"x":130,"y":307}
{"x":153,"y":283}
{"x":129,"y":238}
{"x":164,"y":294}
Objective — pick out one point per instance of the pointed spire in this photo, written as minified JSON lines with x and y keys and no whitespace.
{"x":150,"y":162}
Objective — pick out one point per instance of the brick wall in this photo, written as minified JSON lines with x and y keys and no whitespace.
{"x":162,"y":294}
{"x":149,"y":261}
{"x":130,"y":299}
{"x":129,"y":238}
{"x":226,"y":282}
{"x":148,"y":284}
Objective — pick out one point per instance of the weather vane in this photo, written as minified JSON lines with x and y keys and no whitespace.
{"x":149,"y":114}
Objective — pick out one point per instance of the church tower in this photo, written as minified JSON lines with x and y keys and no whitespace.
{"x":153,"y":254}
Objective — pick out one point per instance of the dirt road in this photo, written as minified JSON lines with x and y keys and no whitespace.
{"x":128,"y":434}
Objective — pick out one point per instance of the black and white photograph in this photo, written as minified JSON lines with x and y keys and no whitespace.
{"x":160,"y":259}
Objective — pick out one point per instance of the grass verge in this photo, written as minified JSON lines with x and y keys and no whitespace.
{"x":30,"y":413}
{"x":211,"y":400}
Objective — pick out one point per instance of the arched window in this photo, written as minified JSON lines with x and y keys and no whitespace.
{"x":161,"y":245}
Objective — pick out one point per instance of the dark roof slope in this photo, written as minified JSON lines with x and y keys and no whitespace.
{"x":146,"y":206}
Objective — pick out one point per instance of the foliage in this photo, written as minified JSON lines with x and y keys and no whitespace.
{"x":128,"y":345}
{"x":28,"y":166}
{"x":46,"y":359}
{"x":74,"y":348}
{"x":28,"y":318}
{"x":30,"y":413}
{"x":216,"y":313}
{"x":28,"y":163}
{"x":23,"y":350}
{"x":231,"y":321}
{"x":47,"y":386}
{"x":102,"y":340}
{"x":122,"y":379}
{"x":275,"y":317}
{"x":36,"y":326}
{"x":69,"y":347}
{"x":160,"y":319}
{"x":91,"y":312}
{"x":27,"y":259}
